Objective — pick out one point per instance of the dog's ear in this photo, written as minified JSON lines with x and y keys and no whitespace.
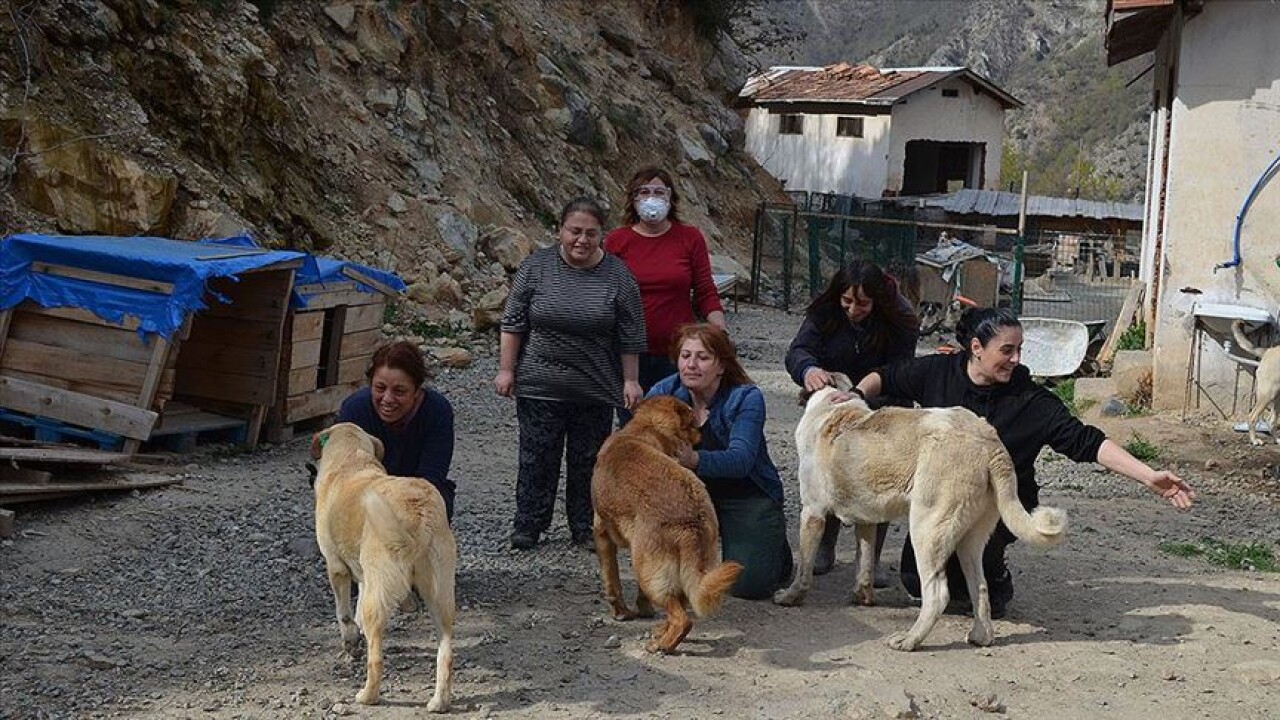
{"x":317,"y":443}
{"x":802,"y":397}
{"x":378,"y":449}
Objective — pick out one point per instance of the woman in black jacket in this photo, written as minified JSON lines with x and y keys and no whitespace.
{"x":859,"y":323}
{"x":987,"y":378}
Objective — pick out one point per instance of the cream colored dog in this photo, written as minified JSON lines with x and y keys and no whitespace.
{"x":389,"y":534}
{"x":944,"y":468}
{"x":1266,"y":385}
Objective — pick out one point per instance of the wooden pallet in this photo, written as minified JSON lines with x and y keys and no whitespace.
{"x":182,"y":426}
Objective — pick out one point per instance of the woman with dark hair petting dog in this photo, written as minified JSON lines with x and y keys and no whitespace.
{"x":859,"y":323}
{"x":732,"y":459}
{"x":571,"y":333}
{"x":414,"y":422}
{"x":987,"y":378}
{"x":670,"y":263}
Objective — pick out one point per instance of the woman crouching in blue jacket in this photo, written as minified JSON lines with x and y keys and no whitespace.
{"x":732,"y":459}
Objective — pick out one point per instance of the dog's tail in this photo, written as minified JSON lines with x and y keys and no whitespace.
{"x":706,"y":590}
{"x":1044,"y":526}
{"x":1237,"y":330}
{"x":385,"y":550}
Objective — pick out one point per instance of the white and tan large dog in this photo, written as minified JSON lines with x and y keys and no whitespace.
{"x":1266,"y":383}
{"x":944,"y":468}
{"x":389,"y":534}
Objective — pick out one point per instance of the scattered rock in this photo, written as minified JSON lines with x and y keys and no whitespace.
{"x":987,"y":702}
{"x":344,"y":16}
{"x":1113,"y":407}
{"x":1257,"y":672}
{"x":453,"y":357}
{"x":487,"y":312}
{"x":613,"y":641}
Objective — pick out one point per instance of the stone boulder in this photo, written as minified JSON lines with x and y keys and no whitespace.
{"x":87,"y":187}
{"x":488,"y":310}
{"x":506,"y":245}
{"x":441,"y":290}
{"x":452,"y":357}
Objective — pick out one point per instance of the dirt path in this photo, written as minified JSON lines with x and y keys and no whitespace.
{"x":209,"y":600}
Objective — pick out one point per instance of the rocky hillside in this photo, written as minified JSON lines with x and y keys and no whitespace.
{"x":436,"y":138}
{"x":1082,"y":128}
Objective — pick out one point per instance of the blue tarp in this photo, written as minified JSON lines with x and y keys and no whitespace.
{"x":323,"y":270}
{"x":186,"y":266}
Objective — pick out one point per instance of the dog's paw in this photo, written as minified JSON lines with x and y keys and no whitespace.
{"x":789,"y":597}
{"x":438,"y":705}
{"x":367,"y":697}
{"x":654,"y":646}
{"x":352,"y":648}
{"x":1259,"y":442}
{"x":623,"y":614}
{"x":981,"y":635}
{"x":900,"y":641}
{"x":864,"y":596}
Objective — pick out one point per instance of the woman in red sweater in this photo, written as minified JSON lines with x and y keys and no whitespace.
{"x":670,"y":263}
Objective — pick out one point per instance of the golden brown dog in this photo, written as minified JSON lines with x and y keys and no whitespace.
{"x":944,"y":467}
{"x":389,"y":534}
{"x":1267,"y":383}
{"x":646,"y":501}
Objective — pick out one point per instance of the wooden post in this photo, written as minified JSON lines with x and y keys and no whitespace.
{"x":6,"y":523}
{"x":5,"y":316}
{"x":1019,"y":246}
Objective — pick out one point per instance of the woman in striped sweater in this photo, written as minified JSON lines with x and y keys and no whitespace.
{"x":571,"y":336}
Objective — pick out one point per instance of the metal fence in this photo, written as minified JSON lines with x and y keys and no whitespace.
{"x":797,"y":248}
{"x":1048,"y":273}
{"x":1079,"y":276}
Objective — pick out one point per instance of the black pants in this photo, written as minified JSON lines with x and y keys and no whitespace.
{"x":550,"y":430}
{"x":999,"y":581}
{"x":652,"y":369}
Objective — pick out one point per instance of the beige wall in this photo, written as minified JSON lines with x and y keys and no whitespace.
{"x":818,"y":160}
{"x":1225,"y":130}
{"x":926,"y":115}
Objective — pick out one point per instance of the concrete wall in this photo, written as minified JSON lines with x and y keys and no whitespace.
{"x":818,"y":160}
{"x":1225,"y":130}
{"x":926,"y":115}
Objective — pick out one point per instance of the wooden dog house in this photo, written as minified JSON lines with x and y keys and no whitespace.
{"x":331,"y":333}
{"x":122,"y":340}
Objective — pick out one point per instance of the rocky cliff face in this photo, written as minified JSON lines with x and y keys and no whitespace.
{"x":435,"y":138}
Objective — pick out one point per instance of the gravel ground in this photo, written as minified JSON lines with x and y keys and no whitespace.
{"x":208,"y":599}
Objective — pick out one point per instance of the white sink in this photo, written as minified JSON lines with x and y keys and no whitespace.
{"x":1216,"y":318}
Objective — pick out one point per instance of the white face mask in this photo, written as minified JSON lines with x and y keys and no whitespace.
{"x":653,"y":209}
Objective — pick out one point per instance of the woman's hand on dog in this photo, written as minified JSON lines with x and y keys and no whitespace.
{"x":1171,"y":488}
{"x":504,"y":383}
{"x":815,"y":378}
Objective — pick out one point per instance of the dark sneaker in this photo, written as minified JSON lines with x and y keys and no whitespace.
{"x":523,"y":540}
{"x":586,"y":541}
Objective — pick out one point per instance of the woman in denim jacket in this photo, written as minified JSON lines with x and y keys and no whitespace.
{"x":732,"y":459}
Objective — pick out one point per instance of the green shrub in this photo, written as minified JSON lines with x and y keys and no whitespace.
{"x":1140,"y":448}
{"x":1133,"y":338}
{"x":1237,"y":556}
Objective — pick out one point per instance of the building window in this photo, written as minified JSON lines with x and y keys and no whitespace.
{"x":790,"y":124}
{"x":950,"y":92}
{"x":849,"y":127}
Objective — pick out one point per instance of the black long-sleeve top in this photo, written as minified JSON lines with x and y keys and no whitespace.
{"x":1026,"y":416}
{"x":847,"y":350}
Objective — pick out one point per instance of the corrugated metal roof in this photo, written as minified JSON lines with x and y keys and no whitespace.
{"x":997,"y":203}
{"x":844,"y":83}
